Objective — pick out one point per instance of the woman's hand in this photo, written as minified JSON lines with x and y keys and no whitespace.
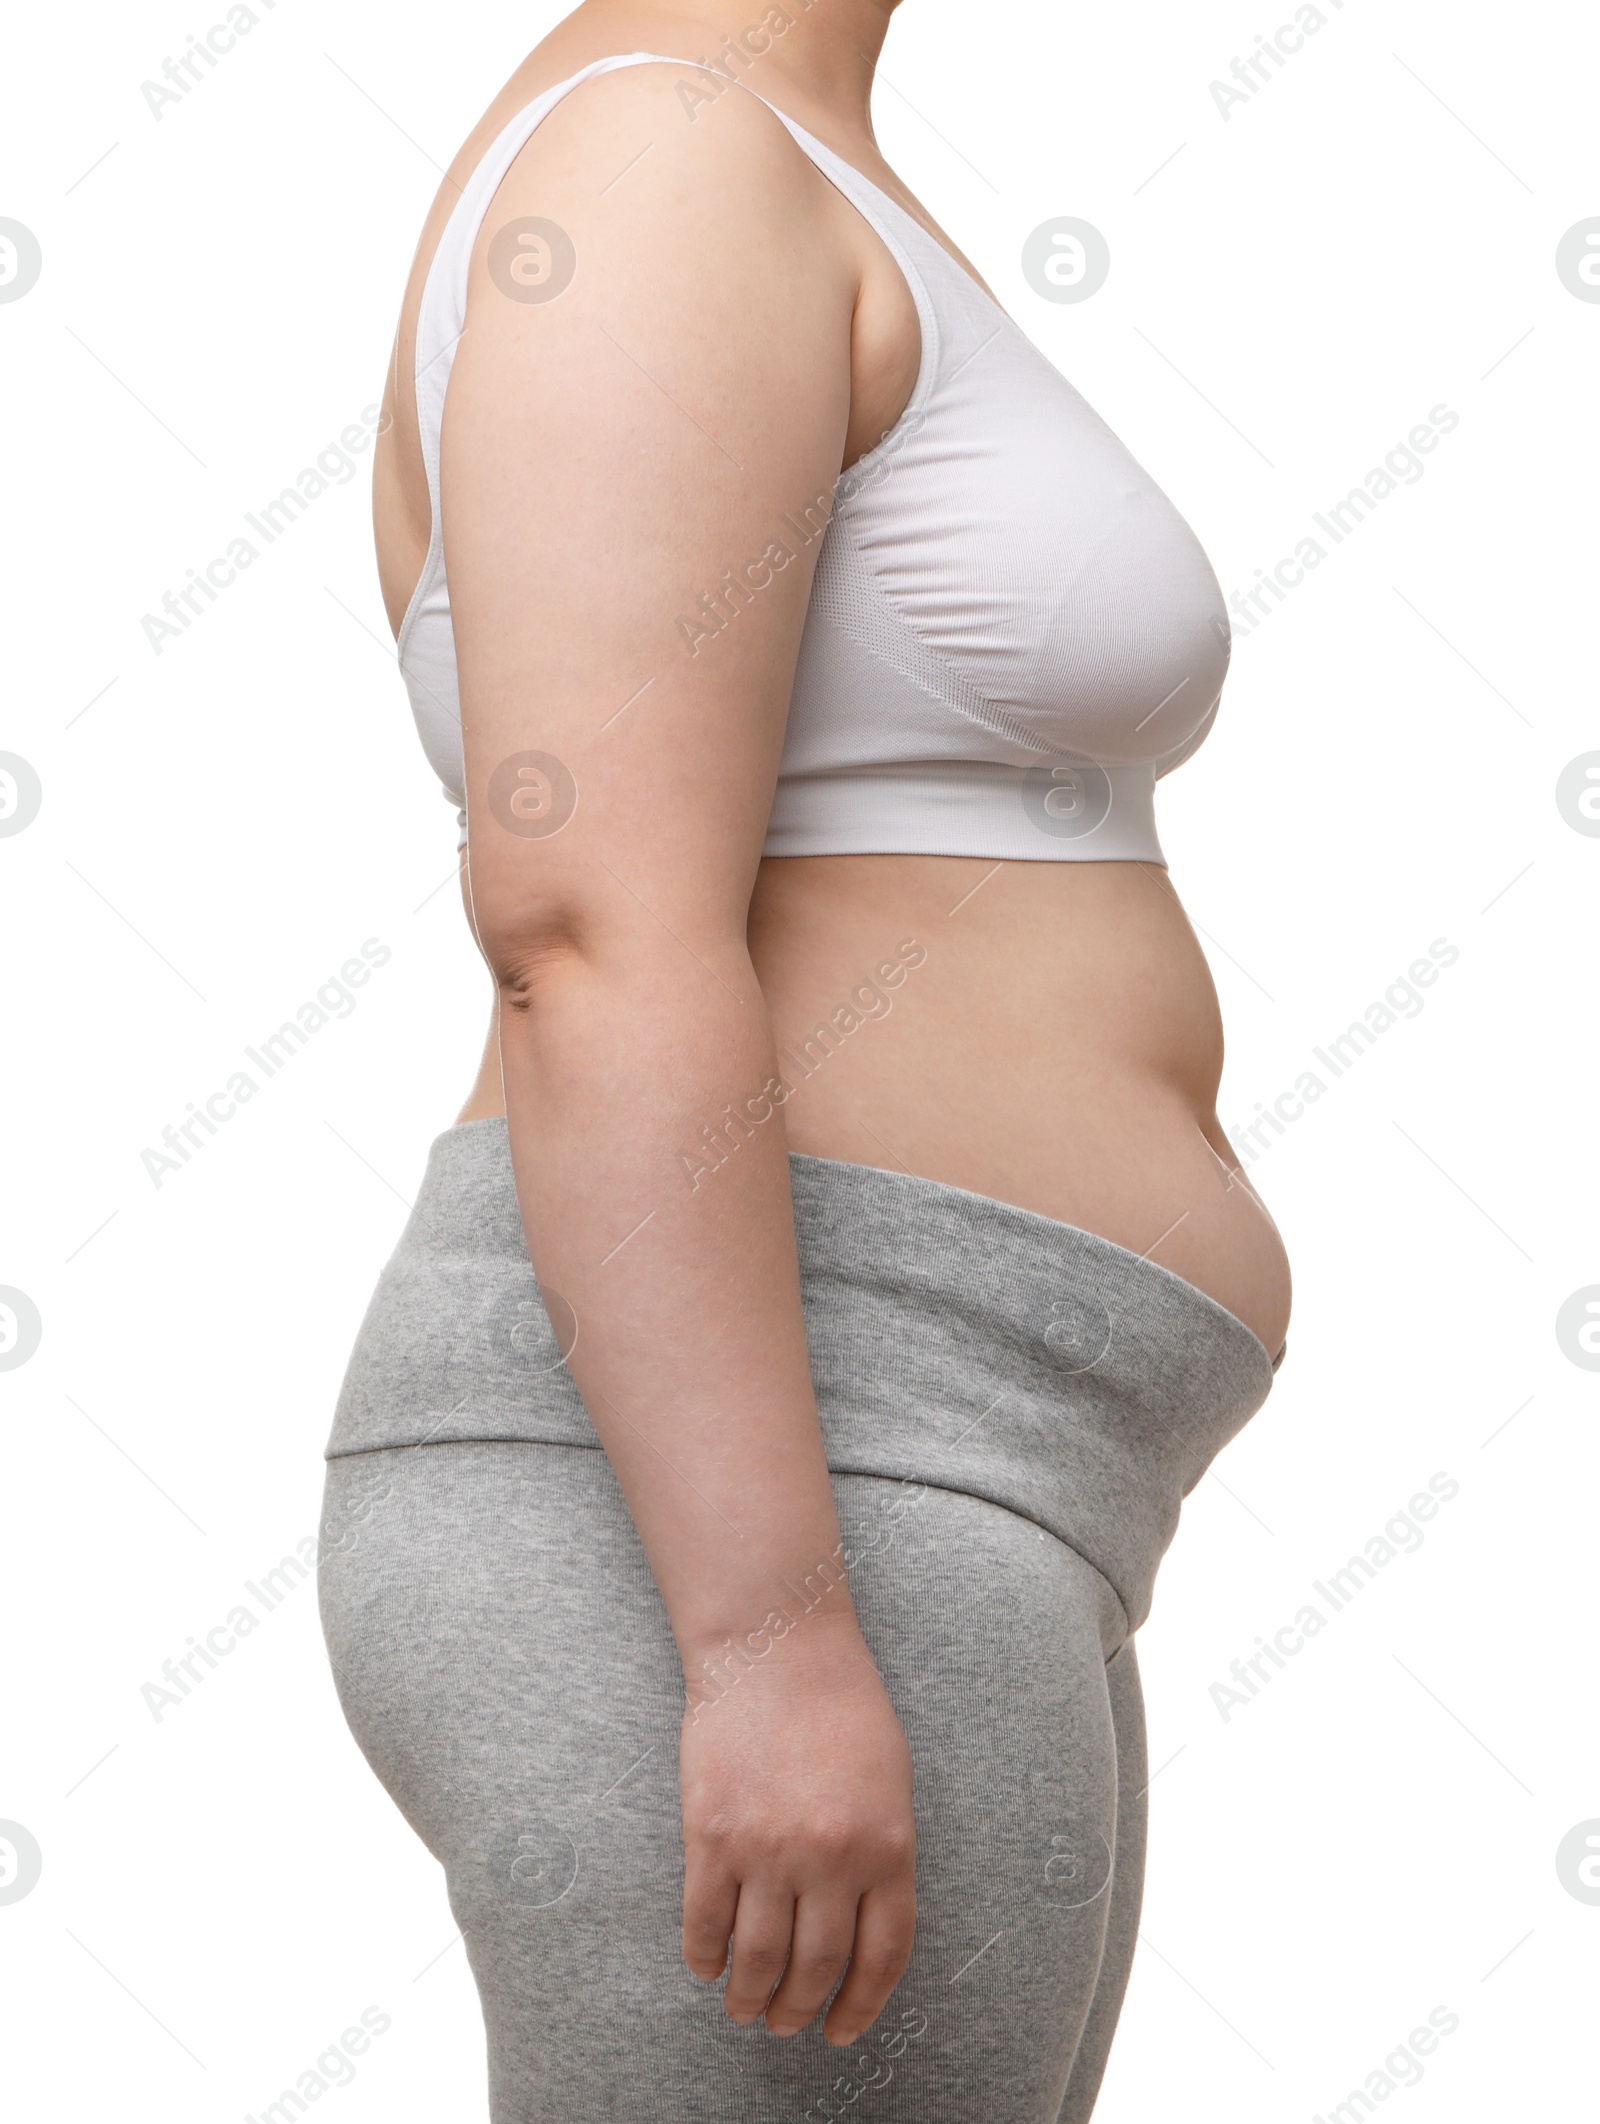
{"x":798,"y":1833}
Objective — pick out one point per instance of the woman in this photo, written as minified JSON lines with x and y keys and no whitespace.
{"x":850,"y":1091}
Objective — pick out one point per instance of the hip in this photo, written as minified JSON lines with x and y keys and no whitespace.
{"x":956,"y":1342}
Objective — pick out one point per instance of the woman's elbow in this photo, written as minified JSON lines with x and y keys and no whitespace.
{"x":531,"y":946}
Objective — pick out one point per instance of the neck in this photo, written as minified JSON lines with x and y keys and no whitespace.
{"x":825,"y":51}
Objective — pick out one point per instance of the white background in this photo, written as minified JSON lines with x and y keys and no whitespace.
{"x":1371,"y":235}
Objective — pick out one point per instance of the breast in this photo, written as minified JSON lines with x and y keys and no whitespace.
{"x":1009,"y":557}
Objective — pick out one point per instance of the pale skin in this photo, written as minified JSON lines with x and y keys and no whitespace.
{"x":734,"y":336}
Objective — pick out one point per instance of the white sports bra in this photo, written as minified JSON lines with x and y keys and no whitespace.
{"x":1012,"y":632}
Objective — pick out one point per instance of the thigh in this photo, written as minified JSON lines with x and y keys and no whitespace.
{"x":505,"y":1662}
{"x":1127,"y":1887}
{"x":993,"y":1639}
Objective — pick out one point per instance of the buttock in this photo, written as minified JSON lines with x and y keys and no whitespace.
{"x":505,"y":1662}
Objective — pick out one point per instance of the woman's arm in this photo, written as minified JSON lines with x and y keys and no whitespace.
{"x":637,"y":472}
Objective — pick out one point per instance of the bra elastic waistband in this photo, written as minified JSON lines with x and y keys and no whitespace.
{"x":1059,"y":811}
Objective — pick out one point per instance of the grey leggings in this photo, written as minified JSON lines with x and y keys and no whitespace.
{"x":1013,"y":1411}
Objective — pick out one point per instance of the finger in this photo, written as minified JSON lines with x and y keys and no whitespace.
{"x":762,"y":1928}
{"x":824,"y":1931}
{"x":710,"y":1898}
{"x":886,"y":1926}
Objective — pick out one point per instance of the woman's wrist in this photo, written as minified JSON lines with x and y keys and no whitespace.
{"x":807,"y":1633}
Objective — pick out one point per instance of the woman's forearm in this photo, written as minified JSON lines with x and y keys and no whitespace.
{"x":681,"y":1272}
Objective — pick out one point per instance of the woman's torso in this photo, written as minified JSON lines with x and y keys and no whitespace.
{"x":1043,"y":1032}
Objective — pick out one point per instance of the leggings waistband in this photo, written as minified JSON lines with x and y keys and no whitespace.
{"x":955,"y":1341}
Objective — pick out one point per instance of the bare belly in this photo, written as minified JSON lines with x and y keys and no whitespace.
{"x":1053,"y":1040}
{"x":1046,"y":1034}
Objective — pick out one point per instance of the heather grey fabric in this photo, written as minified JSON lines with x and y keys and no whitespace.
{"x":954,"y":1340}
{"x":1013,"y":1411}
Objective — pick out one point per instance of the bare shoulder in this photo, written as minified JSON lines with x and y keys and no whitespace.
{"x":651,"y":242}
{"x":672,"y":147}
